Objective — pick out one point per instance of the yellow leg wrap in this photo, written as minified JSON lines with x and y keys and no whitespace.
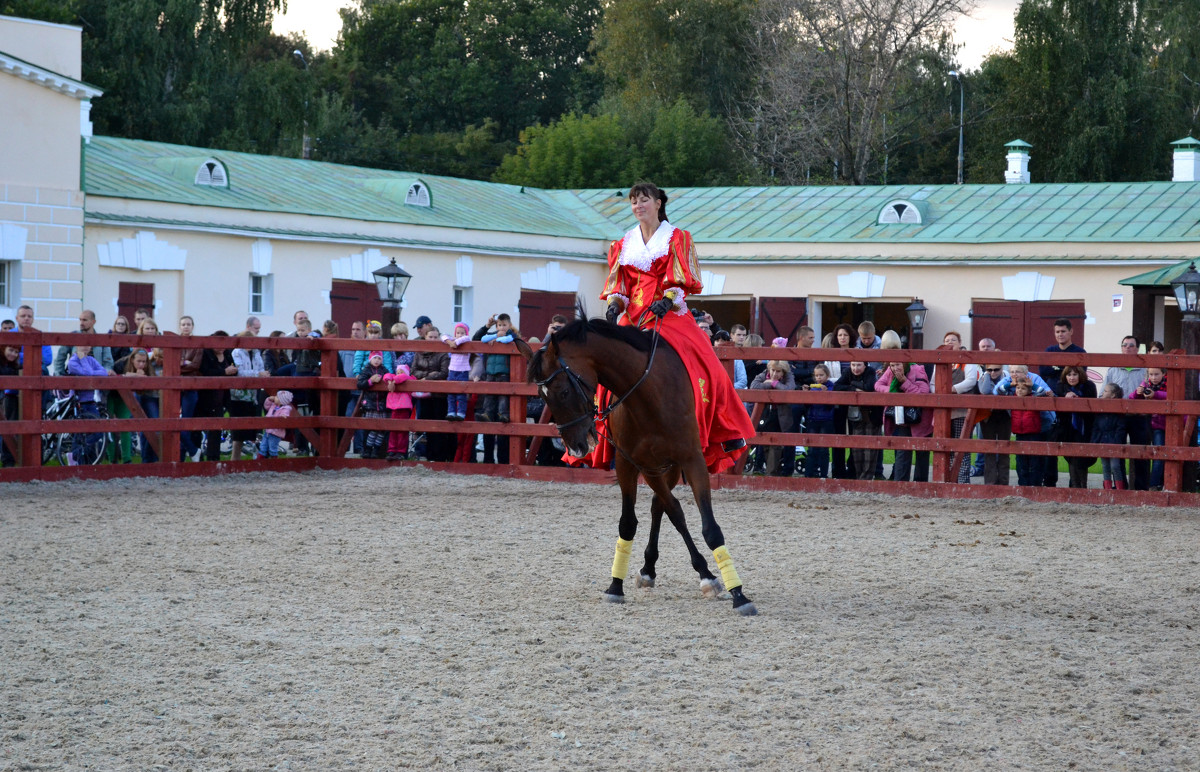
{"x":621,"y":559}
{"x":725,"y":564}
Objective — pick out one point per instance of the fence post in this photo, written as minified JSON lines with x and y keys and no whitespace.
{"x":516,"y":408}
{"x":170,"y":399}
{"x":943,"y":383}
{"x":31,"y":406}
{"x":1173,"y":468}
{"x":327,"y":438}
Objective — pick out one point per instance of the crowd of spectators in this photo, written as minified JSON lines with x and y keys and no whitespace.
{"x":370,"y":368}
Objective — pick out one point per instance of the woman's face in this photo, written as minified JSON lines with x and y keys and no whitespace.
{"x":1154,"y":375}
{"x":120,"y":326}
{"x":858,"y":368}
{"x":952,"y":340}
{"x":843,"y":338}
{"x":186,"y":326}
{"x":140,"y":362}
{"x":645,"y":208}
{"x":432,"y":334}
{"x":1072,"y":378}
{"x":149,"y":328}
{"x":1155,"y":350}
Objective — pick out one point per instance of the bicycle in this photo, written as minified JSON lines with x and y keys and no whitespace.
{"x":73,"y":448}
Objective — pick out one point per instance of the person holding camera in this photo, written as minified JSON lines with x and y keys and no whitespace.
{"x":1154,"y":387}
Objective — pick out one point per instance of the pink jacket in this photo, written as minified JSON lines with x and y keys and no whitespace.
{"x":399,"y":400}
{"x":277,"y":411}
{"x":916,"y":382}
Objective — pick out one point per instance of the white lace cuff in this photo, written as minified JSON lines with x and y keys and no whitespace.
{"x":676,"y":295}
{"x":624,"y":298}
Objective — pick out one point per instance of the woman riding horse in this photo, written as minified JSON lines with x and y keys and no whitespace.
{"x":652,"y":270}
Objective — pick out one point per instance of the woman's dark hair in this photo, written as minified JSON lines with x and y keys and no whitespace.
{"x":1080,"y":371}
{"x":721,"y":335}
{"x":849,"y":331}
{"x":1158,"y":345}
{"x":653,"y":191}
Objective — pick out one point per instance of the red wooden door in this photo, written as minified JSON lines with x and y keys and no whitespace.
{"x":537,"y":308}
{"x":1039,"y":322}
{"x":1018,"y":325}
{"x":131,"y":296}
{"x":354,"y":301}
{"x":780,"y":318}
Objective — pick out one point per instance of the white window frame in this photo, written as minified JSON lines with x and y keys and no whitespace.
{"x":462,"y":301}
{"x":265,"y":294}
{"x":6,"y":282}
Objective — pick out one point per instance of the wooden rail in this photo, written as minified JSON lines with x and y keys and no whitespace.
{"x":330,"y":433}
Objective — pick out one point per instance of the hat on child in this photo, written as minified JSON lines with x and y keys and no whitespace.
{"x":779,"y":342}
{"x":283,"y":397}
{"x":375,"y":354}
{"x":461,"y":326}
{"x":403,"y":369}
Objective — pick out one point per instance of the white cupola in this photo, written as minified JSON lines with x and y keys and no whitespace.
{"x":1187,"y":160}
{"x":1018,"y":162}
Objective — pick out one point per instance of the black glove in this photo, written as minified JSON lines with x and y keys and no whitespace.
{"x":613,"y":312}
{"x":660,"y":307}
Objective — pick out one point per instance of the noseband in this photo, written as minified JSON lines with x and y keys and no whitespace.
{"x":580,"y":388}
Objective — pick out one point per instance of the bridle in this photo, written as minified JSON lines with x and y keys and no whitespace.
{"x":585,"y":392}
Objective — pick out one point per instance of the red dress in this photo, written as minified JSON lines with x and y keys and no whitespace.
{"x":640,"y":273}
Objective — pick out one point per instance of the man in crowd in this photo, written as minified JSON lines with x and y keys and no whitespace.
{"x":1051,"y":374}
{"x":802,"y":371}
{"x":139,"y":316}
{"x":102,"y":354}
{"x":423,"y":324}
{"x":997,"y":426}
{"x":253,"y":325}
{"x":348,"y":400}
{"x":1137,"y":426}
{"x":8,"y":325}
{"x":557,"y":322}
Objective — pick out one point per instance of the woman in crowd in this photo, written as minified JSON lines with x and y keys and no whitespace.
{"x":374,"y":332}
{"x":120,"y":326}
{"x":775,"y":418}
{"x":243,"y":403}
{"x":434,"y":366}
{"x":844,"y":337}
{"x":122,"y":449}
{"x":1076,"y":427}
{"x":1154,"y":387}
{"x":861,"y":419}
{"x":965,"y":380}
{"x":899,"y":421}
{"x":213,"y":403}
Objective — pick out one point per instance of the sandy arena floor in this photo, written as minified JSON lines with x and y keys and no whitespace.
{"x":366,"y":620}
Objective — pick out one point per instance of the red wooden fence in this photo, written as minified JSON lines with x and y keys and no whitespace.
{"x":331,"y":433}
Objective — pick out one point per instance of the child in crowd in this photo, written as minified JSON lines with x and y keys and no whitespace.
{"x":279,"y":406}
{"x":820,"y":421}
{"x":83,"y":363}
{"x":861,"y":419}
{"x":373,"y":403}
{"x":401,"y":405}
{"x":495,"y":366}
{"x":1110,"y":429}
{"x":1154,"y":387}
{"x":460,"y":370}
{"x":1027,"y":425}
{"x":139,"y":366}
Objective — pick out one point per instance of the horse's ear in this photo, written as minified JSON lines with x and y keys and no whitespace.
{"x":524,"y":348}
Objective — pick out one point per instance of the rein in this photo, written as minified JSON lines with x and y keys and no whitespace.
{"x":595,"y":415}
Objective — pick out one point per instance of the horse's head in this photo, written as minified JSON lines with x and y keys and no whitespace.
{"x":567,"y":382}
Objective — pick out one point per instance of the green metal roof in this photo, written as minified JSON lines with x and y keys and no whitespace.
{"x":156,"y":171}
{"x":1163,"y":212}
{"x":971,"y":214}
{"x":1159,"y":277}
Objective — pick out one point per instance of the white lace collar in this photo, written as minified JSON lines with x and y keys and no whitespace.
{"x":642,"y":255}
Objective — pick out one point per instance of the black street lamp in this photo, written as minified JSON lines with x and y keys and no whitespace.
{"x":1187,"y":294}
{"x":916,"y":323}
{"x":392,"y":282}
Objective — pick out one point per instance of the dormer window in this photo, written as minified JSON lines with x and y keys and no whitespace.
{"x":905,"y":212}
{"x":212,"y":174}
{"x":418,"y":195}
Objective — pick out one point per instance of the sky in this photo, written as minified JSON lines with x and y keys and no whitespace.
{"x":991,"y":26}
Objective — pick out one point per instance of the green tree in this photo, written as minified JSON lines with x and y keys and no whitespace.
{"x":671,"y":144}
{"x":662,"y":50}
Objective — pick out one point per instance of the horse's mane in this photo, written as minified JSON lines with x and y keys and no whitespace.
{"x":577,"y":332}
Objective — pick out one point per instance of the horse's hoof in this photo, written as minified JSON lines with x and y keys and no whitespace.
{"x":645,"y":581}
{"x":747,"y":609}
{"x":710,"y":588}
{"x":613,"y":598}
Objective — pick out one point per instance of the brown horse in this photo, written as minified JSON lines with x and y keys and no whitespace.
{"x":653,"y":430}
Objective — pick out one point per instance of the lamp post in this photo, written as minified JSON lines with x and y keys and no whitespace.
{"x":961,"y":101}
{"x":1187,"y":294}
{"x":391,"y":281}
{"x":916,"y":323}
{"x":306,"y":146}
